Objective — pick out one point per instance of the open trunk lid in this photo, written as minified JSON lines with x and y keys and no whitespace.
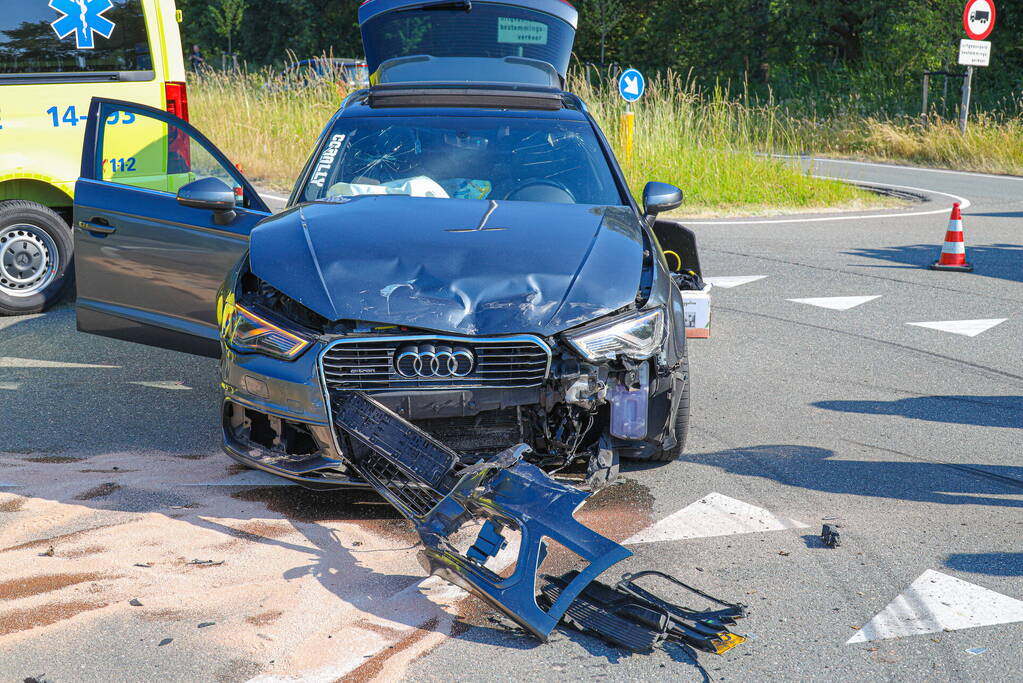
{"x":448,"y":31}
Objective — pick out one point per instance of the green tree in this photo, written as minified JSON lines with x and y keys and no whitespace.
{"x":227,"y":18}
{"x":603,"y":16}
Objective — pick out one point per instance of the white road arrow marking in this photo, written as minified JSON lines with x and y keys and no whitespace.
{"x":837,"y":303}
{"x":714,"y":515}
{"x":631,"y":85}
{"x":967,"y":328}
{"x":729,"y":281}
{"x":10,"y":362}
{"x":939,"y":602}
{"x":165,"y":384}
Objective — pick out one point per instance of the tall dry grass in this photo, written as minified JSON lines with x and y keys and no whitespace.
{"x":705,"y":146}
{"x":711,"y":142}
{"x":711,"y":145}
{"x":991,"y":144}
{"x":261,"y":122}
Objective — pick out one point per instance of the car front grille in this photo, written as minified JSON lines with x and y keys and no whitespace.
{"x":367,"y":363}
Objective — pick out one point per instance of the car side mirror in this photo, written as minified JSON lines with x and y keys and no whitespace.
{"x":212,"y":194}
{"x":660,"y":197}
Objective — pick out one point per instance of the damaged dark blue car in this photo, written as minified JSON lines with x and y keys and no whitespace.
{"x":460,"y":296}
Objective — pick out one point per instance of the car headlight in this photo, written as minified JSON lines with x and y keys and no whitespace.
{"x":637,"y":336}
{"x":247,"y":332}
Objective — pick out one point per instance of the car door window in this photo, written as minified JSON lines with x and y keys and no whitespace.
{"x":152,"y":153}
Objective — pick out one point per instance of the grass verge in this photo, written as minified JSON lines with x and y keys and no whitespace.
{"x":709,"y":145}
{"x":991,"y":144}
{"x":704,"y":142}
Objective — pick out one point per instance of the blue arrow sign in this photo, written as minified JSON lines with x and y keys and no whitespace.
{"x":631,"y":85}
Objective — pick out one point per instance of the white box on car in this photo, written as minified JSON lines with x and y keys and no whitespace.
{"x":696,"y":305}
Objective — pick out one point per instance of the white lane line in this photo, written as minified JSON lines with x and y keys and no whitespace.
{"x":11,"y":362}
{"x":714,"y":515}
{"x":974,"y":174}
{"x":249,"y":478}
{"x":837,"y":303}
{"x":967,"y":328}
{"x":938,"y":602}
{"x":10,"y":386}
{"x":173,"y":385}
{"x":964,"y":203}
{"x":273,"y":196}
{"x":729,"y":281}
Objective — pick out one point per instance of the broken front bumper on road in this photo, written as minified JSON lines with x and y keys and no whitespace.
{"x":499,"y":499}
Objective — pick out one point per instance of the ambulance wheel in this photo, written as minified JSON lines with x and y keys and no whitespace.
{"x":35,"y":257}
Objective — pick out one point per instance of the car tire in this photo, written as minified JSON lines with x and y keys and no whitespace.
{"x":681,"y":426}
{"x":35,"y":257}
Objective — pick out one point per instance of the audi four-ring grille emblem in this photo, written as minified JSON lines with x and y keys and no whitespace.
{"x":428,"y":360}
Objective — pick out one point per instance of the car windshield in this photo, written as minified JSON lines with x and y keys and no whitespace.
{"x":518,"y":159}
{"x":357,"y":73}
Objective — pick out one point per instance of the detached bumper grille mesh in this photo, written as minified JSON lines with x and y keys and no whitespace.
{"x":368,"y":364}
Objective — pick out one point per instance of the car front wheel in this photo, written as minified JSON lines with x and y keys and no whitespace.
{"x":35,"y":257}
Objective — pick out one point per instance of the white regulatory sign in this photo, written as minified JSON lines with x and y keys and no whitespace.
{"x":974,"y":52}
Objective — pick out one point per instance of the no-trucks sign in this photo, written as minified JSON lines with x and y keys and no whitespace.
{"x":979,"y":21}
{"x":979,"y":18}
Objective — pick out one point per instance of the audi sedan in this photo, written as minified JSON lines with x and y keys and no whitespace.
{"x":483,"y":272}
{"x":467,"y":254}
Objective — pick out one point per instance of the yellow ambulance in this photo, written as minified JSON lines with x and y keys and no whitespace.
{"x":55,"y":55}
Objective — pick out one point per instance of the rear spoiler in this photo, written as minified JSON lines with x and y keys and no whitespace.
{"x":441,"y":95}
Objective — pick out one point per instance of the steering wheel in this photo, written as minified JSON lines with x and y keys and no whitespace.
{"x":542,"y":190}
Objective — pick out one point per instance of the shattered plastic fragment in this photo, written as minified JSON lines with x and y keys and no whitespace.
{"x":522,"y":496}
{"x":421,"y":478}
{"x":430,"y":484}
{"x":631,"y":617}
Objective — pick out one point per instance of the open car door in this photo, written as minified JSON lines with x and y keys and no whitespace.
{"x":161,"y":216}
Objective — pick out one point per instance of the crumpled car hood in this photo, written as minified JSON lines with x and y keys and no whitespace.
{"x":472,"y":267}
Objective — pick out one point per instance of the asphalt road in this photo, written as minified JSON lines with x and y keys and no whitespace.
{"x":908,"y":437}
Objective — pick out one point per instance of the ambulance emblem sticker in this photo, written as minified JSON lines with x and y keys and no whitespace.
{"x":83,"y":18}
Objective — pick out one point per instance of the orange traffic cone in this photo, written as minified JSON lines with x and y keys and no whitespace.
{"x":953,"y":253}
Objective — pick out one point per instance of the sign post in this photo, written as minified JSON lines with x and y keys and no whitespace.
{"x":978,"y":20}
{"x":631,"y":85}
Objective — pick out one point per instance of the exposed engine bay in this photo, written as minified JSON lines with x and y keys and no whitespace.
{"x":476,"y":395}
